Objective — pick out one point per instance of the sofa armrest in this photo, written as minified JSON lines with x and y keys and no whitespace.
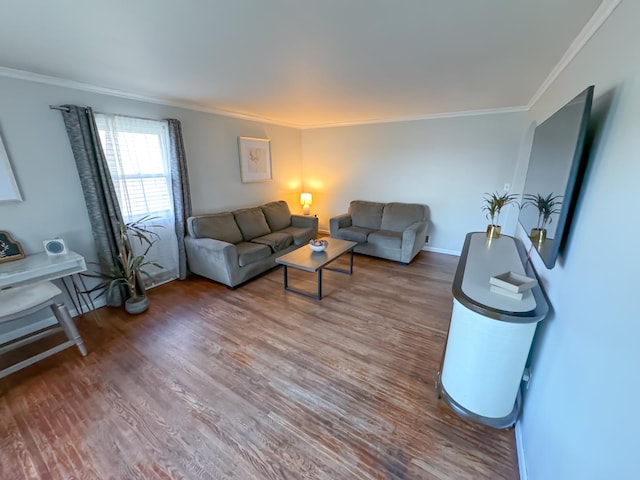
{"x":211,"y":258}
{"x":341,"y":221}
{"x":304,"y":221}
{"x":412,"y":240}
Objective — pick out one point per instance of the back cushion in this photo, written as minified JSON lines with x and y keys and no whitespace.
{"x":366,"y":214}
{"x":277,"y":214}
{"x":398,"y":216}
{"x":251,"y":222}
{"x":220,"y":226}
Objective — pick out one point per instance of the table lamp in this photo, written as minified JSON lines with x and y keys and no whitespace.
{"x":305,"y":201}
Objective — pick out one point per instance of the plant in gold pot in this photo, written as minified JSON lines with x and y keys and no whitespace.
{"x":493,"y":205}
{"x":547,"y":207}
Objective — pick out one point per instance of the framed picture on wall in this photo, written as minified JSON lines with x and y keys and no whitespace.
{"x":255,"y":159}
{"x":8,"y":187}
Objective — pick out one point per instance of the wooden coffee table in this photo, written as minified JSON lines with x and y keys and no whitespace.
{"x":306,"y":259}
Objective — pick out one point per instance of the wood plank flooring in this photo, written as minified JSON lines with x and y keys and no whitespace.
{"x":256,"y":383}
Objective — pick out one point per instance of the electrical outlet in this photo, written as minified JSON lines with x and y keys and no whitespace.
{"x":507,"y":187}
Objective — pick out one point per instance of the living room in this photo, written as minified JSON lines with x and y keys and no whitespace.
{"x":584,"y":356}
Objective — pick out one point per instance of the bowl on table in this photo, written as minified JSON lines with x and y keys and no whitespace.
{"x":318,"y":245}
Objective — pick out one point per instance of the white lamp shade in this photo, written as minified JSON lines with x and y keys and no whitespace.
{"x":305,"y":199}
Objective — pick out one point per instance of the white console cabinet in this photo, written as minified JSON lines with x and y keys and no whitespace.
{"x":490,"y":335}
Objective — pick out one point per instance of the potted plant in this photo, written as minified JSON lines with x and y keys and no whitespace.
{"x":546,"y":206}
{"x":494,"y":203}
{"x":128,"y":268}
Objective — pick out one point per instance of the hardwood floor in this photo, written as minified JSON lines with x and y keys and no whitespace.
{"x":256,"y":383}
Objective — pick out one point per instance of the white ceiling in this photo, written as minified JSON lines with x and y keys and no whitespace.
{"x":300,"y":62}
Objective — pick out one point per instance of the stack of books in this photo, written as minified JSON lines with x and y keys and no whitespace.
{"x":512,"y":285}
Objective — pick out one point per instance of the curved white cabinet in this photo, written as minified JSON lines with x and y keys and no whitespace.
{"x":490,"y":334}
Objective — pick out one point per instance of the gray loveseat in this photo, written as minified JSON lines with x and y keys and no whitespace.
{"x":395,"y":231}
{"x":233,"y":247}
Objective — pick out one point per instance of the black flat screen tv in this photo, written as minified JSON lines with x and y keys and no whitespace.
{"x":555,"y":163}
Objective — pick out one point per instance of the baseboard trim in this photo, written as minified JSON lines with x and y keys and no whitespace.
{"x":441,"y":250}
{"x":522,"y":467}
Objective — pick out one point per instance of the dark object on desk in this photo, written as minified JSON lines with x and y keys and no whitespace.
{"x":9,"y":248}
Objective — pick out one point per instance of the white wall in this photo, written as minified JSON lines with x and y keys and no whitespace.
{"x":214,"y":169}
{"x":579,"y":419}
{"x":39,"y":150}
{"x":447,"y":164}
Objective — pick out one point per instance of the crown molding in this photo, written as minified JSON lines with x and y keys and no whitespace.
{"x":62,"y":82}
{"x":600,"y":16}
{"x":603,"y":12}
{"x":434,"y":116}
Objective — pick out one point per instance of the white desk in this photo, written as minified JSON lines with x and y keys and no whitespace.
{"x":40,"y":267}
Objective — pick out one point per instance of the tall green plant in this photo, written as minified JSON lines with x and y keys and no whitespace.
{"x":128,"y":268}
{"x":140,"y":230}
{"x":494,"y":203}
{"x":546,"y":206}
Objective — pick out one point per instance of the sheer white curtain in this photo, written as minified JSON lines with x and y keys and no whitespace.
{"x":137,"y":154}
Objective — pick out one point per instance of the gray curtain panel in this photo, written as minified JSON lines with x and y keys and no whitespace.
{"x":181,"y":190}
{"x":99,"y":194}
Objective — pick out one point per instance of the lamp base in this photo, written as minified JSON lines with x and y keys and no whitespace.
{"x":305,"y":209}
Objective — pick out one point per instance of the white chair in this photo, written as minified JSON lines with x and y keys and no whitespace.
{"x":18,"y":302}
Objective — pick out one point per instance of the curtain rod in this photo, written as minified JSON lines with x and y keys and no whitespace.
{"x":67,"y":109}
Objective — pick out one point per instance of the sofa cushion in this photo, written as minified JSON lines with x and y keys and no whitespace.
{"x":396,"y":217}
{"x":276,"y":240}
{"x":366,"y":214}
{"x":251,"y":222}
{"x":354,"y":234}
{"x":385,"y":239}
{"x":301,"y":235}
{"x":219,"y":226}
{"x":249,"y":252}
{"x":277,"y":214}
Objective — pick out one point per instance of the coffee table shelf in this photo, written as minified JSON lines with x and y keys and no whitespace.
{"x":304,"y":258}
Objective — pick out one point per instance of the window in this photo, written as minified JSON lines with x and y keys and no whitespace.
{"x":137,"y":155}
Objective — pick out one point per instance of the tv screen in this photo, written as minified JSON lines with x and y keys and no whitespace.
{"x":552,"y":176}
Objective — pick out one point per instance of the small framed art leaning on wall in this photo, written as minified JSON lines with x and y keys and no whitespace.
{"x":9,"y":248}
{"x":8,"y":187}
{"x":255,"y":159}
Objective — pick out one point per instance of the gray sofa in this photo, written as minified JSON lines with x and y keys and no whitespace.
{"x":233,"y":247}
{"x":395,"y":231}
